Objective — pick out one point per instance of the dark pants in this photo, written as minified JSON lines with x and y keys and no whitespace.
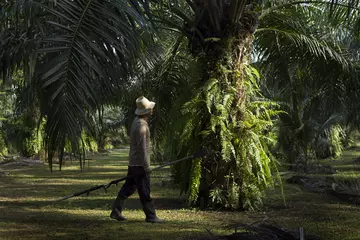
{"x":138,"y":179}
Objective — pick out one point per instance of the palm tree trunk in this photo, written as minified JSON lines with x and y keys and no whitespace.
{"x":224,"y":56}
{"x":226,"y":64}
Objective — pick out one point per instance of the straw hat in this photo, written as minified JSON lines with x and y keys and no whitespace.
{"x":143,"y":106}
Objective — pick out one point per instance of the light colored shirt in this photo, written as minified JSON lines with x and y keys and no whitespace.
{"x":139,"y":144}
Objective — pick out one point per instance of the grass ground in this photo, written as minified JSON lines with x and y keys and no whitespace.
{"x":28,"y":210}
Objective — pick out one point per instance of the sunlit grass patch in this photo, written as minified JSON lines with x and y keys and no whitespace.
{"x":348,"y":174}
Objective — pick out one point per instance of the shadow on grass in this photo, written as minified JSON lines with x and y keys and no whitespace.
{"x":99,"y":172}
{"x":22,"y":223}
{"x":348,"y":168}
{"x":95,"y":203}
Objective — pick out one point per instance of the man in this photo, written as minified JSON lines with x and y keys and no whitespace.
{"x":139,"y":165}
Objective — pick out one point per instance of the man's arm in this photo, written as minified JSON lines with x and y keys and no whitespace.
{"x":143,"y":147}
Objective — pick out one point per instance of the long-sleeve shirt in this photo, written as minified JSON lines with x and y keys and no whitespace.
{"x":139,"y":144}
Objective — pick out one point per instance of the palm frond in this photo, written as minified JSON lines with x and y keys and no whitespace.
{"x":20,"y":32}
{"x":332,"y":8}
{"x":85,"y":36}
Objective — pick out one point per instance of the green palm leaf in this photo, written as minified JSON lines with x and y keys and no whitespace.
{"x":90,"y":53}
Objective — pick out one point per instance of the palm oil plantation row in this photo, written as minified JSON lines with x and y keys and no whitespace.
{"x":263,"y":84}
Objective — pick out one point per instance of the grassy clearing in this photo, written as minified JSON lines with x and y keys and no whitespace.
{"x":27,"y":210}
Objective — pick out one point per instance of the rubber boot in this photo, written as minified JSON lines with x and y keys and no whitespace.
{"x":150,"y":213}
{"x":117,"y":209}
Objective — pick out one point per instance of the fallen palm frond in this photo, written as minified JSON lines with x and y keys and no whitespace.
{"x":356,"y":160}
{"x":260,"y":231}
{"x":312,"y":168}
{"x":347,"y":189}
{"x":313,"y":184}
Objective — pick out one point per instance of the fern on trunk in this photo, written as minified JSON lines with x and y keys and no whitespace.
{"x":227,"y":114}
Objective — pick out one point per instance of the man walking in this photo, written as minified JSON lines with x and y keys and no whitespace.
{"x":139,"y":165}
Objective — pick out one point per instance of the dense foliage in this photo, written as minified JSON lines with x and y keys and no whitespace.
{"x":249,"y":80}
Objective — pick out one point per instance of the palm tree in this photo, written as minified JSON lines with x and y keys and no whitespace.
{"x":97,"y":44}
{"x":73,"y":58}
{"x":312,"y":92}
{"x":228,"y":114}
